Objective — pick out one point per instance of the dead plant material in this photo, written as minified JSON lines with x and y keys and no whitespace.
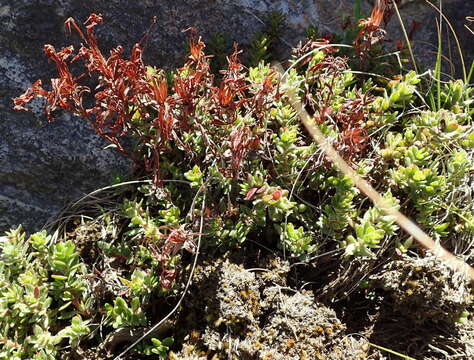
{"x":133,"y":99}
{"x":470,"y":19}
{"x":370,"y":31}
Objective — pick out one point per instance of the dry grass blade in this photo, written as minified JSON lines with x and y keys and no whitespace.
{"x":405,"y":223}
{"x":470,"y":19}
{"x":458,"y":44}
{"x":392,"y":352}
{"x":407,"y":39}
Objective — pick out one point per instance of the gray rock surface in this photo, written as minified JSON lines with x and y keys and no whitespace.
{"x":45,"y":165}
{"x":425,"y":39}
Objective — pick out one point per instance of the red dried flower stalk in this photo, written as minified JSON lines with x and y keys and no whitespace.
{"x":312,"y":44}
{"x":265,"y":96}
{"x":174,"y":240}
{"x":370,"y":31}
{"x":240,"y":140}
{"x":352,"y":119}
{"x":123,"y":88}
{"x":128,"y":99}
{"x":230,"y":96}
{"x":121,"y":84}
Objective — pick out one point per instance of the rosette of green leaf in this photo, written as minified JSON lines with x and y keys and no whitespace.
{"x":417,"y":156}
{"x":75,"y":331}
{"x":374,"y":226}
{"x":443,"y":125}
{"x":399,"y":94}
{"x":396,"y":144}
{"x":426,"y":189}
{"x":458,"y":167}
{"x":296,"y":240}
{"x":158,"y":347}
{"x":24,"y":302}
{"x":367,"y":237}
{"x":420,"y":183}
{"x":40,"y":241}
{"x":142,"y":256}
{"x":429,"y":136}
{"x":31,"y":300}
{"x":255,"y":180}
{"x":458,"y":173}
{"x":329,"y":79}
{"x":14,"y":255}
{"x":239,"y":231}
{"x":67,"y":274}
{"x":141,"y":222}
{"x":141,"y":284}
{"x":121,"y":315}
{"x":340,"y":210}
{"x":270,"y":202}
{"x":43,"y":343}
{"x":451,"y":125}
{"x":223,"y":230}
{"x":468,"y":141}
{"x":457,"y":97}
{"x":171,"y":216}
{"x":316,"y":57}
{"x":294,"y":82}
{"x":428,"y":119}
{"x":195,"y":176}
{"x":122,"y":249}
{"x":284,"y":114}
{"x":330,"y":131}
{"x":275,"y":201}
{"x":217,"y":230}
{"x":289,"y":158}
{"x":257,"y":75}
{"x":195,"y":139}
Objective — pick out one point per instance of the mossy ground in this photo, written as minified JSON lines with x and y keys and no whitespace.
{"x":250,"y":303}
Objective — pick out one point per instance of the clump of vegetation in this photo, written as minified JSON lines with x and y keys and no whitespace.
{"x":45,"y":297}
{"x":226,"y":162}
{"x":263,"y":45}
